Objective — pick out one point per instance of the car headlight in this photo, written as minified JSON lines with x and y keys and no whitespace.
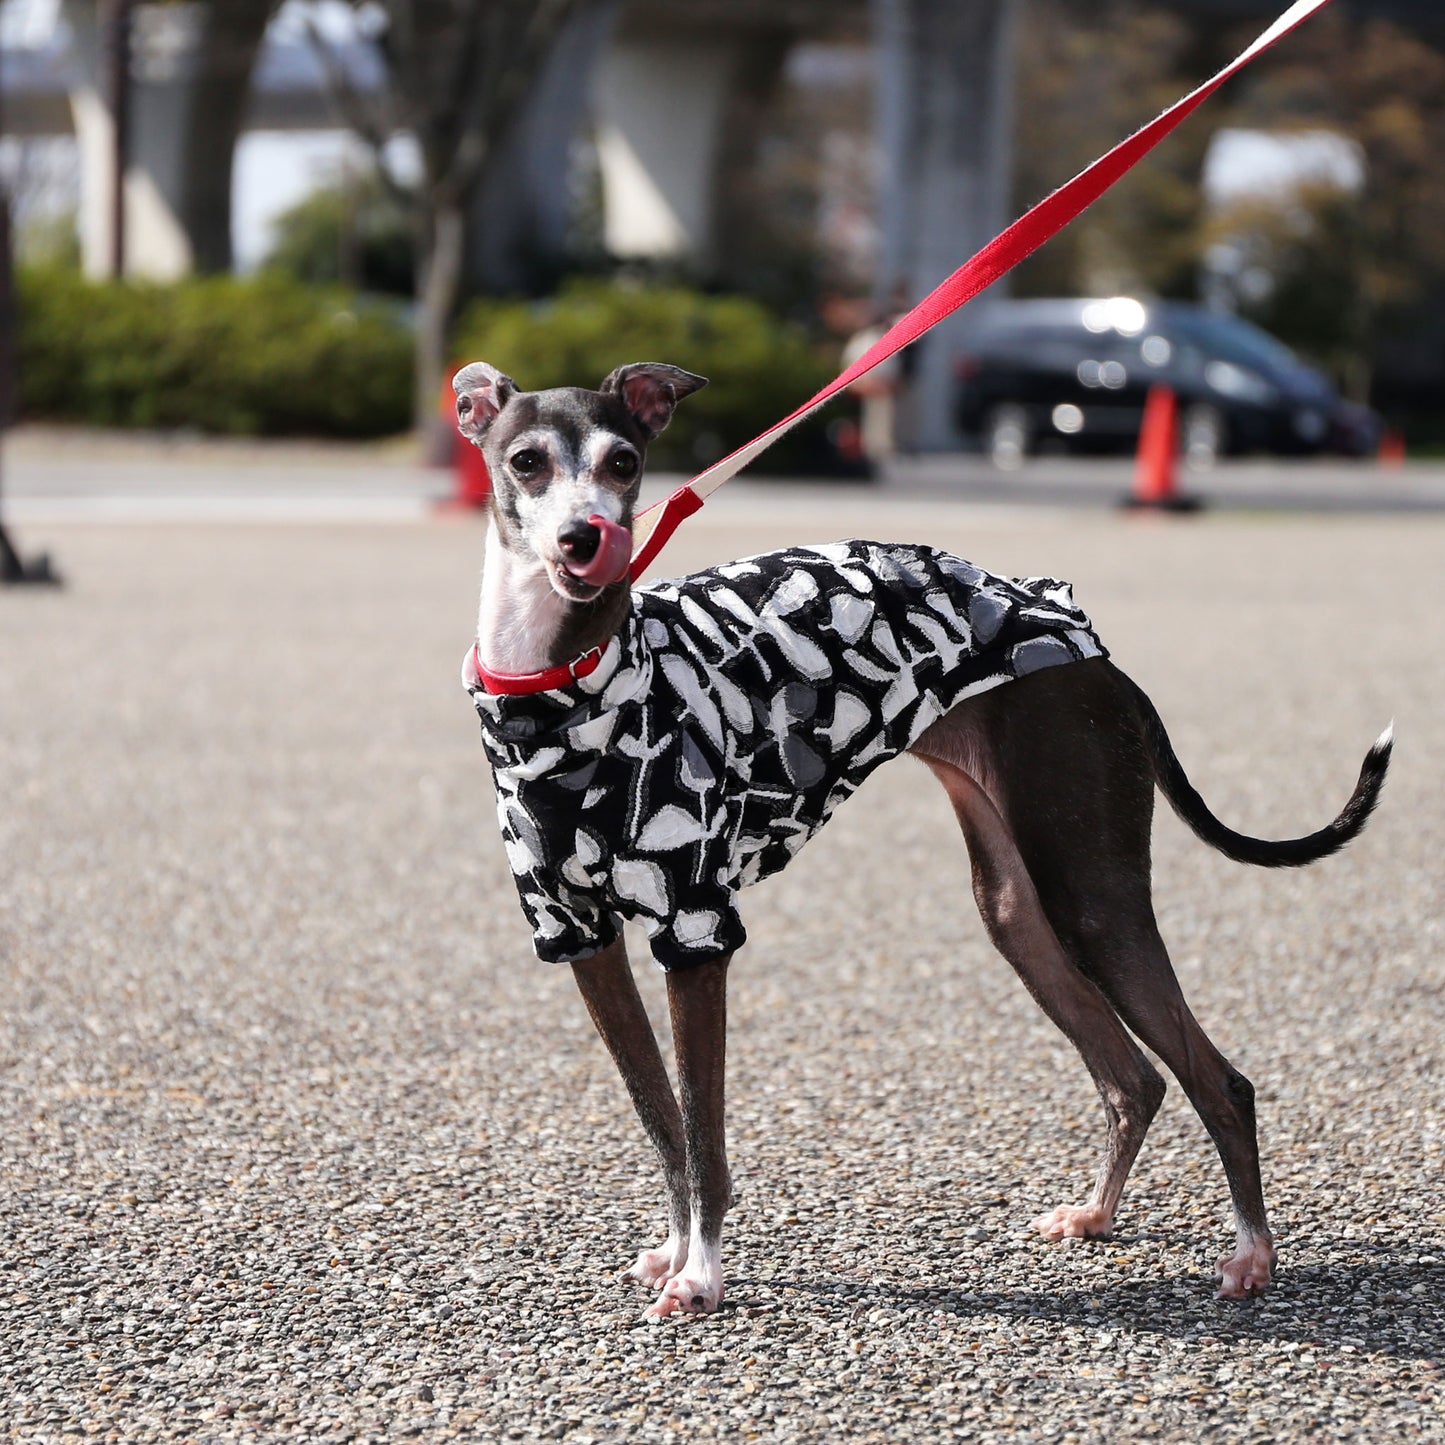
{"x":1239,"y":384}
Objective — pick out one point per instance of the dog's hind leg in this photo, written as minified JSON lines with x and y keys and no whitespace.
{"x":1116,"y":939}
{"x":610,"y":993}
{"x":1065,"y":758}
{"x":1128,"y":1084}
{"x":1128,"y":959}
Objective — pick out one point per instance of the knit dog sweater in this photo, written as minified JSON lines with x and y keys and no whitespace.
{"x":732,"y":713}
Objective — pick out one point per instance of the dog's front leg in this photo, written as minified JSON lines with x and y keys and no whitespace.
{"x":697,"y":1001}
{"x":611,"y":996}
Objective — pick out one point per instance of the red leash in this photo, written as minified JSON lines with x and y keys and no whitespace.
{"x":654,"y":526}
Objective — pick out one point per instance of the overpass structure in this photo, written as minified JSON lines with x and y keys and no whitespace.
{"x":660,"y":82}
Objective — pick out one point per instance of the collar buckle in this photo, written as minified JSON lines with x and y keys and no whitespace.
{"x":595,"y":654}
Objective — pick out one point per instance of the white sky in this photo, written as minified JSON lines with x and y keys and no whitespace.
{"x":26,"y":23}
{"x":273,"y":170}
{"x":1246,"y":163}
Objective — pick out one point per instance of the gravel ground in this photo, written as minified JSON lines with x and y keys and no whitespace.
{"x":296,"y":1140}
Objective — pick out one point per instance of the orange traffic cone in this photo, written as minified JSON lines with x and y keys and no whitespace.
{"x":1155,"y":481}
{"x":1391,"y":452}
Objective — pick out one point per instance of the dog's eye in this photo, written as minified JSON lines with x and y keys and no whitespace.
{"x":527,"y":462}
{"x":623,"y":465}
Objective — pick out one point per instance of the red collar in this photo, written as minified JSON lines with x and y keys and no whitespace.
{"x":563,"y":675}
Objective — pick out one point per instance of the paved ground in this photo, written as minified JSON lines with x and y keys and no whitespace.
{"x":297,"y":1142}
{"x":1249,"y":483}
{"x":69,"y":475}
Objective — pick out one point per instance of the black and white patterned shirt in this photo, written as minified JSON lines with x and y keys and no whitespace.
{"x":727,"y":720}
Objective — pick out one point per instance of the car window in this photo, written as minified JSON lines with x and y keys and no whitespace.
{"x":1112,"y":347}
{"x":1034,"y":345}
{"x":1231,"y":339}
{"x":1073,"y":338}
{"x":1023,"y":336}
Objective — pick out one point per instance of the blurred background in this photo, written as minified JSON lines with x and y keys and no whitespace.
{"x":265,"y":218}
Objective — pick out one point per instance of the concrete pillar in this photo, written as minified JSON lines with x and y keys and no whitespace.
{"x":659,"y":106}
{"x":190,"y":74}
{"x":944,"y":119}
{"x":155,"y":242}
{"x":520,"y":225}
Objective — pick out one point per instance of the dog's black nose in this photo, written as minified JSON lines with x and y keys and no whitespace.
{"x":579,"y":541}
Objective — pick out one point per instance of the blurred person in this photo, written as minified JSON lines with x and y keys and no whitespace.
{"x":882,"y":393}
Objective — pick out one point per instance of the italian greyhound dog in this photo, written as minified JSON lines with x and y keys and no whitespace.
{"x":655,"y":748}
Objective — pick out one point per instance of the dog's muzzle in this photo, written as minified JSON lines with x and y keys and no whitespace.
{"x":599,"y":553}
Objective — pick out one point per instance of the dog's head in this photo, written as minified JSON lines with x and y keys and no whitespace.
{"x":566,"y":464}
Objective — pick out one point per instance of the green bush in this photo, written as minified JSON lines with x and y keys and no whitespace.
{"x":254,"y":357}
{"x":758,"y":368}
{"x":353,"y":233}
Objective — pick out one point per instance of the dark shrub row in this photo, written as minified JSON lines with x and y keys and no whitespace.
{"x":269,"y":356}
{"x":254,"y":357}
{"x":758,"y":368}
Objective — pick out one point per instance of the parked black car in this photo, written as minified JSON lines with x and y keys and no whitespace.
{"x":1075,"y":373}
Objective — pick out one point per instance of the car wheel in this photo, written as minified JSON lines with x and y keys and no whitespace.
{"x":1203,"y":435}
{"x":1006,"y":437}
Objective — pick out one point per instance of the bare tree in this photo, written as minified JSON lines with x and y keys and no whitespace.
{"x":457,"y":72}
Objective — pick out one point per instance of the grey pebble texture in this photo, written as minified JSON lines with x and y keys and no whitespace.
{"x":298,"y":1141}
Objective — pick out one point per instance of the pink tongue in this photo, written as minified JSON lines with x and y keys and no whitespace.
{"x":612,"y":559}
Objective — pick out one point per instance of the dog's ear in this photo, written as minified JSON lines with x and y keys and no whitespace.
{"x":650,"y":390}
{"x":482,"y":391}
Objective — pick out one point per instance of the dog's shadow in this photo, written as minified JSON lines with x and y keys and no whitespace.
{"x":1392,"y":1304}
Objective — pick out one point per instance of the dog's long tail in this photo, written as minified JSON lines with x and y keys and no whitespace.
{"x":1287,"y":852}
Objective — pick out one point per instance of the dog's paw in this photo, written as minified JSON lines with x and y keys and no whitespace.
{"x":688,"y":1293}
{"x":1248,"y":1271}
{"x":1075,"y":1221}
{"x":654,"y":1267}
